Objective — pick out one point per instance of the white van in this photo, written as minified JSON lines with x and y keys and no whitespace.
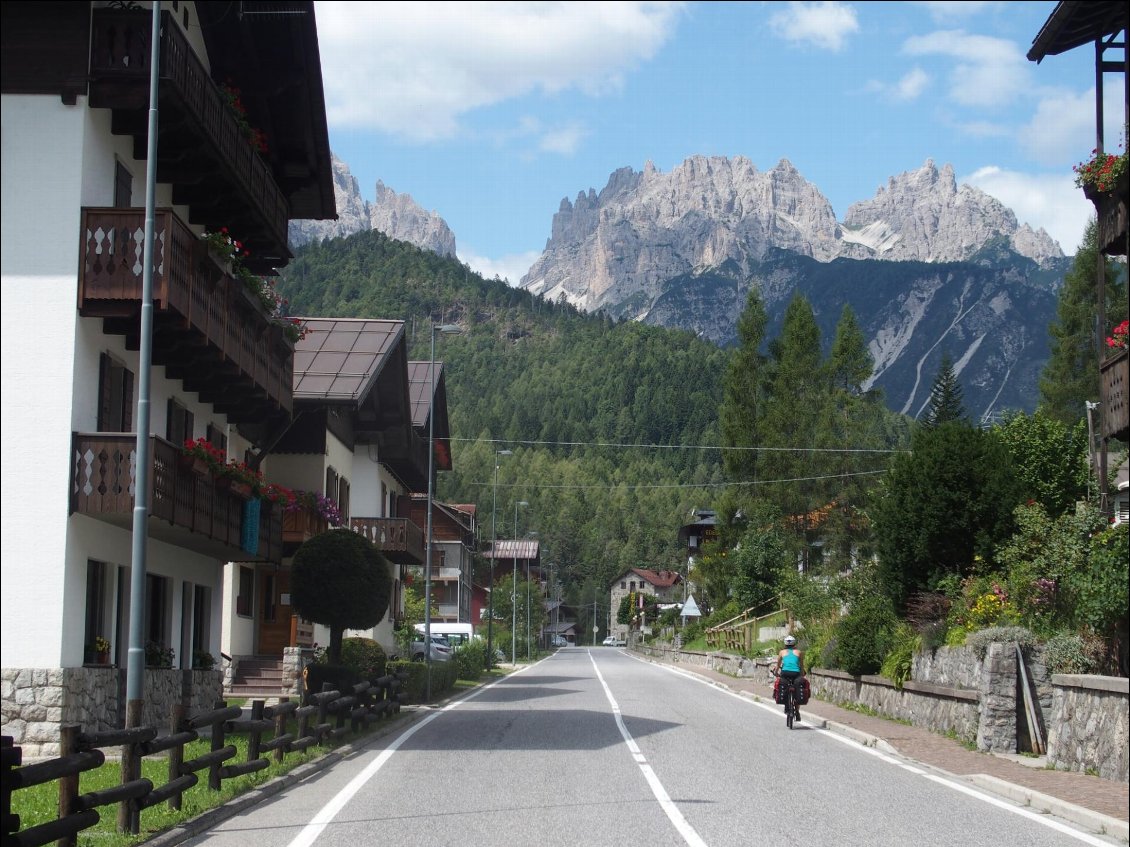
{"x":457,"y":634}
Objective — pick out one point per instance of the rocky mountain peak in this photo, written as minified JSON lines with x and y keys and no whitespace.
{"x":396,"y":215}
{"x":623,"y":243}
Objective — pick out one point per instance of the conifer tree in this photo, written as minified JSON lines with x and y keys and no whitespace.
{"x":744,"y":392}
{"x":945,"y":397}
{"x":1071,"y":375}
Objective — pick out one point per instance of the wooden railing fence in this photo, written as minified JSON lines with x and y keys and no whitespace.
{"x":740,"y":633}
{"x":330,"y":714}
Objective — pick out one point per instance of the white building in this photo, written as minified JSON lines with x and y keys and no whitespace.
{"x":74,"y":106}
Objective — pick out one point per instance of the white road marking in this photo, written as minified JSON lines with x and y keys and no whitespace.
{"x":1008,"y":806}
{"x":665,"y":802}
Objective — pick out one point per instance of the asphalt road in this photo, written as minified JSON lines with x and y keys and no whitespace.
{"x":592,"y":746}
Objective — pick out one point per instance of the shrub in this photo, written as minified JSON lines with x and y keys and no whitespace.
{"x":364,"y":656}
{"x":982,"y":638}
{"x":470,"y":659}
{"x":905,"y":642}
{"x":862,"y":637}
{"x":443,"y":678}
{"x":1069,"y":652}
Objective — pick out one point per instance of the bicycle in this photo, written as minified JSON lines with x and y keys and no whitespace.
{"x":791,"y":710}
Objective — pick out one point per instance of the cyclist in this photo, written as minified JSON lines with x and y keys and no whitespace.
{"x":790,"y":667}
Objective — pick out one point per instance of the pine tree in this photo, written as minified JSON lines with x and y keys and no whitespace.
{"x":1071,"y":376}
{"x":744,"y":392}
{"x":945,"y":397}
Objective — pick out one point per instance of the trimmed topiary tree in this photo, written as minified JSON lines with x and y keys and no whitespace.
{"x":341,"y":580}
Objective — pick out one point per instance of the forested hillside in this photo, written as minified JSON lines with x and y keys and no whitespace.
{"x":582,"y":402}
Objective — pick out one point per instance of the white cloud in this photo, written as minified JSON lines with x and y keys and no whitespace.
{"x":510,"y":268}
{"x":1062,"y":129}
{"x":414,"y":69}
{"x":564,"y":140}
{"x":912,"y":84}
{"x":826,"y":24}
{"x":988,"y":71}
{"x":1043,"y":201}
{"x":950,"y":10}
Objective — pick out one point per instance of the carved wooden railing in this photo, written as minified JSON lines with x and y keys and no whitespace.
{"x":119,"y":79}
{"x":198,"y":305}
{"x":399,"y":539}
{"x":185,"y":508}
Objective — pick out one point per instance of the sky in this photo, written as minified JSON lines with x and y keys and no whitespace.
{"x":491,"y":114}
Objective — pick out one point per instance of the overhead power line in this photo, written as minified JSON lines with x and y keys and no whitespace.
{"x":526,"y":485}
{"x":512,"y":441}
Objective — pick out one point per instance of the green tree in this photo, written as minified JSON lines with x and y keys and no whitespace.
{"x":758,"y":561}
{"x":1049,"y":457}
{"x":744,"y":392}
{"x":945,"y":504}
{"x":945,"y":397}
{"x":341,"y":580}
{"x":1071,"y":375}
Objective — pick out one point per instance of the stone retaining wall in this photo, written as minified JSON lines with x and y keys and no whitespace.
{"x":1082,"y":721}
{"x":36,"y":701}
{"x":1089,"y":727}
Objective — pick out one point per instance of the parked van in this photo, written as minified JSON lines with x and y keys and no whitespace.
{"x":457,"y":634}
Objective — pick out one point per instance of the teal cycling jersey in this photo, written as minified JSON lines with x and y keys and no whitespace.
{"x":790,"y":662}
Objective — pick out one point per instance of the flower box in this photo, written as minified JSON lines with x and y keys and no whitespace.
{"x":298,"y":525}
{"x":194,"y":465}
{"x":242,"y":490}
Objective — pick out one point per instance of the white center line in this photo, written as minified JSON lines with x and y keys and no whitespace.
{"x":665,"y":802}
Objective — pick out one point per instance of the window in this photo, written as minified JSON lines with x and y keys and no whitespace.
{"x":157,"y":609}
{"x":115,"y":396}
{"x":178,"y":426}
{"x":384,"y":501}
{"x":331,"y":484}
{"x":97,"y":595}
{"x":246,"y":587}
{"x":123,"y":187}
{"x":623,"y":584}
{"x":201,"y":617}
{"x":217,"y":438}
{"x":343,"y":499}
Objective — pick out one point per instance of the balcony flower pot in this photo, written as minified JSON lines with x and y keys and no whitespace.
{"x":242,"y":490}
{"x":103,"y":658}
{"x":194,"y":465}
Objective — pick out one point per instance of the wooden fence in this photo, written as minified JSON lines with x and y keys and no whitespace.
{"x":740,"y":633}
{"x":326,"y":715}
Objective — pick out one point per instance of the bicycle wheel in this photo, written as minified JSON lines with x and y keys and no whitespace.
{"x":790,"y":707}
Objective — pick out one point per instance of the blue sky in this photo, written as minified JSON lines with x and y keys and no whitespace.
{"x":491,"y":113}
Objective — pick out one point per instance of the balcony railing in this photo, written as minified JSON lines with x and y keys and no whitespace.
{"x":399,"y":539}
{"x":209,"y":330}
{"x":201,"y":149}
{"x":1114,"y":376}
{"x":185,"y":509}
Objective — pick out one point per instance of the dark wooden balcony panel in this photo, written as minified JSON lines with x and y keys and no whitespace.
{"x":399,"y":539}
{"x":1114,"y":375}
{"x":208,"y":329}
{"x":1111,"y":214}
{"x":185,"y":510}
{"x":201,"y":150}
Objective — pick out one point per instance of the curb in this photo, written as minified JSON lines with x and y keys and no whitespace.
{"x":1046,"y":804}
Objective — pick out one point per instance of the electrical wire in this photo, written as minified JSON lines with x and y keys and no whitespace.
{"x":629,"y":445}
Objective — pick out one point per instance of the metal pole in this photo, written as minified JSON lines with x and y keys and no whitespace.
{"x":493,"y":560}
{"x":514,"y":594}
{"x":428,"y":536}
{"x":135,"y":658}
{"x":528,"y":600}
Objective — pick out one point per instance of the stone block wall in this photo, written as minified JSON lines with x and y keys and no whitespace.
{"x":1088,"y":730}
{"x":36,"y":701}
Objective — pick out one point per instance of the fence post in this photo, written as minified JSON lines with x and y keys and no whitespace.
{"x":68,"y":785}
{"x":214,"y":781}
{"x":254,"y":739}
{"x":129,"y":816}
{"x":280,"y":730}
{"x":176,"y":754}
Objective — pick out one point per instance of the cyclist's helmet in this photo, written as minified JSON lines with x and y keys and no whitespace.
{"x":790,"y":641}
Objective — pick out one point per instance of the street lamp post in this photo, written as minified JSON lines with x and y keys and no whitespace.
{"x":493,"y":559}
{"x":529,"y":600}
{"x":447,"y":329}
{"x":514,"y":589}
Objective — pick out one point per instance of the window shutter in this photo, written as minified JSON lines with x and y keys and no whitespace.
{"x":105,"y":371}
{"x":127,"y":400}
{"x":343,"y":499}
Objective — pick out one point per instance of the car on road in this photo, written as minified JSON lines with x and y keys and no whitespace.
{"x":559,"y":641}
{"x":441,"y":650}
{"x":613,"y":641}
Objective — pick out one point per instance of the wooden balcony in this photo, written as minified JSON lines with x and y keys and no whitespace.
{"x":1110,"y":209}
{"x":399,"y":539}
{"x":185,"y":508}
{"x":301,"y":525}
{"x":208,"y":330}
{"x":1114,"y":378}
{"x":201,"y":149}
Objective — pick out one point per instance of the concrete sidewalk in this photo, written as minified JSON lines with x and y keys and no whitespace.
{"x":1099,"y":805}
